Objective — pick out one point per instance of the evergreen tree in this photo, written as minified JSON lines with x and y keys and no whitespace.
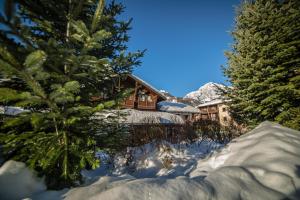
{"x":264,"y":63}
{"x":55,"y":57}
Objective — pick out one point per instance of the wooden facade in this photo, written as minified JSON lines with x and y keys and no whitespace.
{"x":143,"y":96}
{"x":209,"y":112}
{"x":215,"y":112}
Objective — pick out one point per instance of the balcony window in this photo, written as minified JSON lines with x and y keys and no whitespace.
{"x":213,"y":117}
{"x":143,"y":97}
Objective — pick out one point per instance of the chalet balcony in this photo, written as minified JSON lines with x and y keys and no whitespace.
{"x":147,"y":102}
{"x":212,"y":110}
{"x":129,"y":102}
{"x":209,"y":110}
{"x":146,"y":105}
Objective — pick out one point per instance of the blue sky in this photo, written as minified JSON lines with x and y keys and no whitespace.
{"x":185,"y":41}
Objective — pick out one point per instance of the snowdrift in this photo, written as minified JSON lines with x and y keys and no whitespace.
{"x":263,"y":164}
{"x":16,"y":181}
{"x":163,"y":159}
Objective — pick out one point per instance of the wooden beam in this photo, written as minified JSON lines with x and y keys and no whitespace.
{"x":135,"y":99}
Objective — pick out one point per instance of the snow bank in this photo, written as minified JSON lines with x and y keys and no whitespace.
{"x":265,"y":161}
{"x":263,"y":164}
{"x":16,"y":181}
{"x":162,"y":159}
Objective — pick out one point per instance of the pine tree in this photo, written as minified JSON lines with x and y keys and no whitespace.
{"x":263,"y":65}
{"x":56,"y":56}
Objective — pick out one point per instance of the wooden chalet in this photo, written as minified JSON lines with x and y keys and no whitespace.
{"x":143,"y":96}
{"x":215,"y":110}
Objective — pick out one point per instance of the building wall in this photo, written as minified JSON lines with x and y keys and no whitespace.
{"x":224,"y":116}
{"x":141,"y":97}
{"x":187,"y":117}
{"x":209,"y":113}
{"x":216,"y":112}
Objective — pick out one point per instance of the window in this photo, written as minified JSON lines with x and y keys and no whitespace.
{"x":225,"y":119}
{"x":204,"y":116}
{"x":214,"y":117}
{"x":143,"y":97}
{"x":224,"y":109}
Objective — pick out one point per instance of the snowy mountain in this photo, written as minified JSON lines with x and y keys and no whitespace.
{"x":171,"y":98}
{"x":206,"y":93}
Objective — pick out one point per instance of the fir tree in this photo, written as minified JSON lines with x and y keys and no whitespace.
{"x":263,"y":65}
{"x":55,"y":57}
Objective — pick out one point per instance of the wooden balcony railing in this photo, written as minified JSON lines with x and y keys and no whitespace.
{"x":129,"y":102}
{"x":147,"y":105}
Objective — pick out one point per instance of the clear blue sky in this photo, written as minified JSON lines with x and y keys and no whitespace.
{"x":185,"y":41}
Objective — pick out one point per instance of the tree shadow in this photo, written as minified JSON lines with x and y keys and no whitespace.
{"x":296,"y":194}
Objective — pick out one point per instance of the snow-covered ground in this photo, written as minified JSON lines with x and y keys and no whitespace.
{"x":262,"y":164}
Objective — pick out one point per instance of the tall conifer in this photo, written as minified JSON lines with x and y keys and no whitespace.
{"x":264,"y":63}
{"x":55,"y":56}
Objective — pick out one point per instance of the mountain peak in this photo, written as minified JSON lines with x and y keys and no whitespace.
{"x":206,"y":93}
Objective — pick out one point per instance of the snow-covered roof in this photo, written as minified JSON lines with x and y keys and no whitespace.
{"x":176,"y":107}
{"x":140,"y":117}
{"x":132,"y":116}
{"x":210,"y":103}
{"x":148,"y":85}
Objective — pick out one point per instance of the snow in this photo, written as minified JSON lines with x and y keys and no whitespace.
{"x":213,"y":102}
{"x":176,"y":107}
{"x":132,"y":116}
{"x":262,"y":164}
{"x":16,"y":181}
{"x":163,"y":159}
{"x":206,"y":93}
{"x":137,"y":116}
{"x":11,"y":110}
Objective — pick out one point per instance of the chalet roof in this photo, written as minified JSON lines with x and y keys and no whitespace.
{"x":150,"y":117}
{"x":176,"y":107}
{"x":147,"y":85}
{"x":132,"y":116}
{"x":210,"y":103}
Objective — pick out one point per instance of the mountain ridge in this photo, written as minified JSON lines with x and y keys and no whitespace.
{"x":206,"y":93}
